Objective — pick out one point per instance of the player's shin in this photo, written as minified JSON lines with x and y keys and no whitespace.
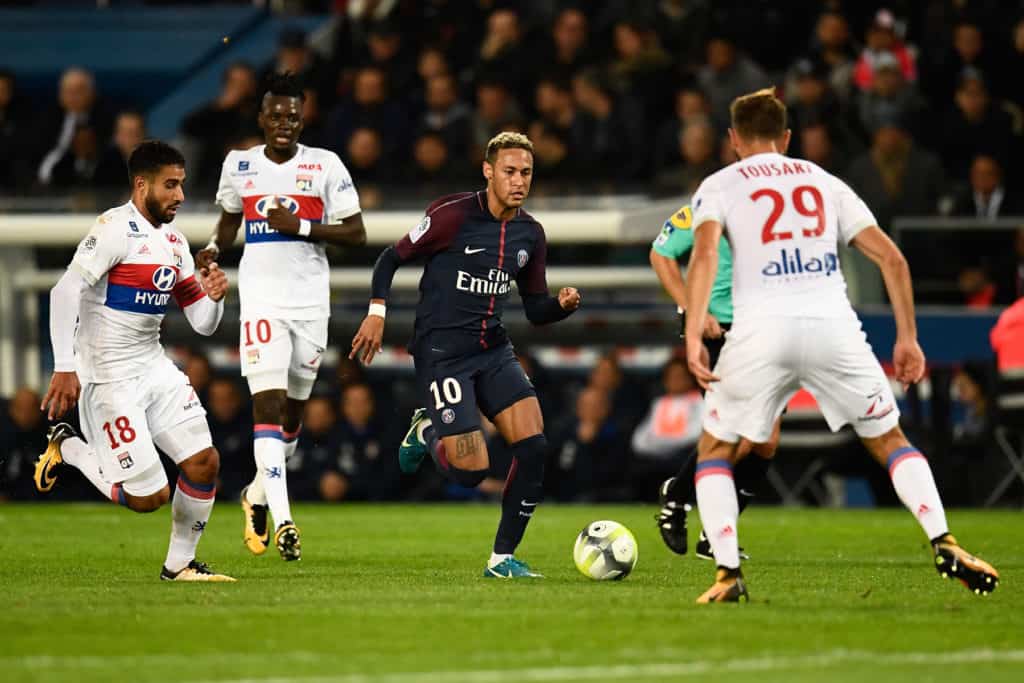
{"x":269,"y":448}
{"x":524,"y":490}
{"x":719,"y":510}
{"x":190,"y":511}
{"x":914,"y":484}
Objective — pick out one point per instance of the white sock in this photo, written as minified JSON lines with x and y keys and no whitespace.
{"x":496,"y":559}
{"x":291,"y":442}
{"x":719,"y":510}
{"x":269,"y":448}
{"x":190,"y":510}
{"x":914,"y":484}
{"x":77,"y":453}
{"x":256,"y":494}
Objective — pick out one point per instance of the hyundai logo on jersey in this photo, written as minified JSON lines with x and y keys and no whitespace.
{"x":269,"y":202}
{"x":255,"y":209}
{"x":164,"y":278}
{"x":793,"y":263}
{"x":140,"y":287}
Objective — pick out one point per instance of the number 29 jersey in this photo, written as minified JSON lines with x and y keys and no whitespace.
{"x":285,"y":276}
{"x":783,"y":218}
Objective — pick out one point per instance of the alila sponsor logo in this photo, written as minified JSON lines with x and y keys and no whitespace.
{"x":791,"y":263}
{"x":498,"y":283}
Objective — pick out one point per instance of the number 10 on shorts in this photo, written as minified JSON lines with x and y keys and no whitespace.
{"x":449,"y":388}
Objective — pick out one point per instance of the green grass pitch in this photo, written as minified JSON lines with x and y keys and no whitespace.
{"x":393,"y":594}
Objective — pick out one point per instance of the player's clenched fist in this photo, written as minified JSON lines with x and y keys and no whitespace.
{"x":368,"y":339}
{"x":204,"y":258}
{"x":908,"y":362}
{"x":283,"y":220}
{"x":569,"y":298}
{"x":214,"y":281}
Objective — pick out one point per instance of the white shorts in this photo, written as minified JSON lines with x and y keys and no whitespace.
{"x":282,"y":354}
{"x":766,"y":360}
{"x":126,"y":421}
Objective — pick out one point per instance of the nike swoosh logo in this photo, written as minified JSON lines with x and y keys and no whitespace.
{"x":523,"y":502}
{"x":473,"y":251}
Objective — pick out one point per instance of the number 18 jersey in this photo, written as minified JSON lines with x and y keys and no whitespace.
{"x":783,"y":218}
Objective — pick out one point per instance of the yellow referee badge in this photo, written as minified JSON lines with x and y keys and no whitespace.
{"x":682,"y":219}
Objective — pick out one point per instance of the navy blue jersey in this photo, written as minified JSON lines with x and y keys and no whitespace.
{"x":472,"y":259}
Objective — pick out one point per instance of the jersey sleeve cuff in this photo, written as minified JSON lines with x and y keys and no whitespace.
{"x":338,"y":216}
{"x":661,"y":250}
{"x":857,"y":229}
{"x":229,"y":206}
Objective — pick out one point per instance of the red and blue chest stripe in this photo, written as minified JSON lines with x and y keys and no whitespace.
{"x":254,"y":212}
{"x":141,"y":287}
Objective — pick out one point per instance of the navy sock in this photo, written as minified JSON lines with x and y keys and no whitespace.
{"x":749,"y":473}
{"x":524,"y":489}
{"x":467,"y":478}
{"x":682,"y":489}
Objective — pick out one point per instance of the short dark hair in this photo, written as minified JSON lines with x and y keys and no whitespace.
{"x":150,"y":156}
{"x":758,"y":115}
{"x":284,"y":84}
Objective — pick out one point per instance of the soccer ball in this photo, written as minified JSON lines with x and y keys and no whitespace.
{"x":604,"y":551}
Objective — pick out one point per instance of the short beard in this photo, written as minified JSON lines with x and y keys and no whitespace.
{"x":154,"y":209}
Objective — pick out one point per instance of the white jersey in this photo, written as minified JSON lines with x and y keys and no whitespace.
{"x":133,"y":268}
{"x":783,"y":218}
{"x":285,"y":276}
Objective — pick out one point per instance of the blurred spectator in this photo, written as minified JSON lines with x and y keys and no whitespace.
{"x":365,"y":157}
{"x":312,"y":469}
{"x":231,"y":428}
{"x":22,"y":439}
{"x":432,"y":164}
{"x":569,"y":51}
{"x":976,"y":125}
{"x":1019,"y":250}
{"x":385,"y":49}
{"x":986,"y":196}
{"x":129,"y":132}
{"x":698,"y":149}
{"x":673,"y":422}
{"x":1011,"y":65}
{"x":812,"y":100}
{"x":295,"y":56}
{"x":882,"y":39}
{"x":896,"y":177}
{"x":726,"y":76}
{"x":71,"y":131}
{"x":366,"y":467}
{"x":690,"y":105}
{"x":559,"y":137}
{"x":614,"y":129}
{"x":197,"y":369}
{"x":627,"y":396}
{"x":495,"y":106}
{"x":76,"y":169}
{"x":447,"y":115}
{"x":816,"y":145}
{"x":641,"y":67}
{"x":432,"y":62}
{"x":14,"y":129}
{"x":314,"y":125}
{"x":589,"y":459}
{"x":368,"y":107}
{"x":971,"y":392}
{"x":215,"y":125}
{"x":680,"y":24}
{"x":976,"y":287}
{"x":1007,"y":337}
{"x":890,"y":97}
{"x":833,"y":47}
{"x":940,"y":71}
{"x":504,"y":54}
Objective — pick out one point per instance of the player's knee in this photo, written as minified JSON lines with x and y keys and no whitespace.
{"x":882,"y":446}
{"x":148,"y":503}
{"x":530,"y":454}
{"x":202,"y":467}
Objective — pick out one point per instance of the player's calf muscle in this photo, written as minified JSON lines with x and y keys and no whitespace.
{"x":148,"y":503}
{"x":881,"y":447}
{"x":270,"y":407}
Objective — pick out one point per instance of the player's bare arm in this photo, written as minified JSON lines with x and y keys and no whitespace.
{"x":908,"y":358}
{"x":672,"y":280}
{"x":224,"y":236}
{"x":349,"y":233}
{"x":367,"y":341}
{"x":703,"y":266}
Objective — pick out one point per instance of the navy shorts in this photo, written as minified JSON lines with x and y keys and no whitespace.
{"x":456,"y":390}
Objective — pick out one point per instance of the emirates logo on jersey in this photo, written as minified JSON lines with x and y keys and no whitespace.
{"x":269,"y":202}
